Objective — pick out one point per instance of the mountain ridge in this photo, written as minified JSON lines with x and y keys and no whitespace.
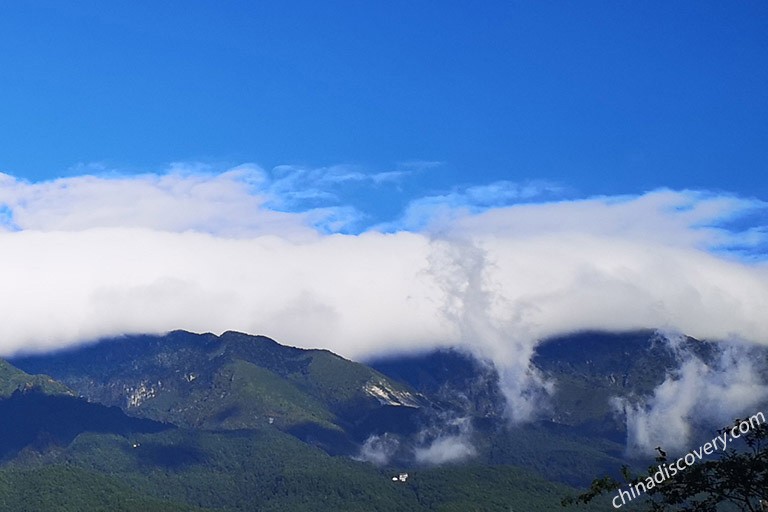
{"x":231,"y":381}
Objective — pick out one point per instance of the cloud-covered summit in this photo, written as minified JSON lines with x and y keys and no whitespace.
{"x":273,"y":253}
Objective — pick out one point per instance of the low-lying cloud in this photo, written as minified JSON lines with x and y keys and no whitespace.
{"x":449,"y":442}
{"x":698,"y":393}
{"x":93,"y":256}
{"x":446,"y":439}
{"x":379,"y":449}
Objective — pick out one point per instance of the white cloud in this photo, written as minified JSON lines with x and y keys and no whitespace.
{"x":444,"y":450}
{"x":342,"y":292}
{"x":89,"y":256}
{"x":228,"y":204}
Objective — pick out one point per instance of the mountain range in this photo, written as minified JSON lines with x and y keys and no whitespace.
{"x":186,"y":421}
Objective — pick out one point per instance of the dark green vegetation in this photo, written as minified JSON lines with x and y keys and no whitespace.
{"x":588,"y":368}
{"x":261,"y":469}
{"x":736,"y":480}
{"x":238,"y":422}
{"x":70,"y":489}
{"x":39,"y":420}
{"x":12,"y":379}
{"x":592,"y":367}
{"x":233,"y":381}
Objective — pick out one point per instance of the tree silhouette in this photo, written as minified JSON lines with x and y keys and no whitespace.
{"x":738,"y":478}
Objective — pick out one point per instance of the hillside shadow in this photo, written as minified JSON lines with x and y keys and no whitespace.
{"x":172,"y":457}
{"x":41,"y":421}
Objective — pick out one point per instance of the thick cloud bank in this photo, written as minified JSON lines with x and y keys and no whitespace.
{"x":91,"y":256}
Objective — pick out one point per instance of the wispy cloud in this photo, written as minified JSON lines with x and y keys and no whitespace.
{"x":434,"y":210}
{"x":419,"y":165}
{"x":379,"y":449}
{"x":293,"y":185}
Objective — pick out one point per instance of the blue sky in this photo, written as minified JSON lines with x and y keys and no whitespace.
{"x":599,"y":97}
